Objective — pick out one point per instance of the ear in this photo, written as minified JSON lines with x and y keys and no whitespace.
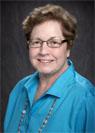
{"x":68,"y":53}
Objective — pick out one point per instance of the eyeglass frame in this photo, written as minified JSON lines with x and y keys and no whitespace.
{"x":47,"y":42}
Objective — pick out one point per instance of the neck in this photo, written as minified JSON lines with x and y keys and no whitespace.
{"x":46,"y":80}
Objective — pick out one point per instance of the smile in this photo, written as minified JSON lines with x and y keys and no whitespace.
{"x":45,"y":61}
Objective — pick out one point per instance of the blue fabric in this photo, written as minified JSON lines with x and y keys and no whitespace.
{"x":74,"y":110}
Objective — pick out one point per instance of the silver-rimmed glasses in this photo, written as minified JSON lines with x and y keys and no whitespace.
{"x":52,"y":42}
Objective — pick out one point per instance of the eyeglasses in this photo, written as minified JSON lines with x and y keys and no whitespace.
{"x":52,"y":43}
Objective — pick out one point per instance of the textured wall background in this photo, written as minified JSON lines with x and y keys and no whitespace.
{"x":15,"y":62}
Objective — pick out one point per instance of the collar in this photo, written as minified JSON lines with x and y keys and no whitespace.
{"x":31,"y":86}
{"x":58,"y":89}
{"x":62,"y":85}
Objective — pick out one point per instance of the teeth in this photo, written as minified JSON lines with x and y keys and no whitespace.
{"x":45,"y":61}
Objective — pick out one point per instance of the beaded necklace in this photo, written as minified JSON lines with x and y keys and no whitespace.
{"x":45,"y":121}
{"x":47,"y":116}
{"x":22,"y":115}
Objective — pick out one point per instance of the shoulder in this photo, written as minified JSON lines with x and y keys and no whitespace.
{"x":19,"y":87}
{"x":80,"y":84}
{"x":16,"y":92}
{"x":85,"y":88}
{"x":85,"y":100}
{"x":83,"y":95}
{"x":83,"y":82}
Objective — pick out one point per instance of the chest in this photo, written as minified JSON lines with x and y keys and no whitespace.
{"x":47,"y":114}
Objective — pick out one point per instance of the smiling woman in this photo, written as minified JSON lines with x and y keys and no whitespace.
{"x":45,"y":59}
{"x":55,"y":98}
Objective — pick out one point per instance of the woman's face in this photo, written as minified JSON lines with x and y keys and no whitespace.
{"x":45,"y":59}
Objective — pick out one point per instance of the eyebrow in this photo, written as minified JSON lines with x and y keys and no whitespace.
{"x":41,"y":39}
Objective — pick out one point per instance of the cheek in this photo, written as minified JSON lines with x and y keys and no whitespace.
{"x":32,"y":53}
{"x":63,"y":54}
{"x":32,"y":56}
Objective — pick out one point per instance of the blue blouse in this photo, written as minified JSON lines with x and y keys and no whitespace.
{"x":67,"y":107}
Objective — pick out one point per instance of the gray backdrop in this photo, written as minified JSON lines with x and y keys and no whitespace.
{"x":15,"y":63}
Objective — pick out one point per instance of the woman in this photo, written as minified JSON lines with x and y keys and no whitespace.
{"x":55,"y":98}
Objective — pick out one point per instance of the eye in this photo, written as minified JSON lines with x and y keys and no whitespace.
{"x":54,"y":42}
{"x":35,"y":42}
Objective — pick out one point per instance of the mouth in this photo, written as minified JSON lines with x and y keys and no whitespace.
{"x":45,"y":61}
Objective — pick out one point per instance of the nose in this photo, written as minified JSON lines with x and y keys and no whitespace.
{"x":44,"y":48}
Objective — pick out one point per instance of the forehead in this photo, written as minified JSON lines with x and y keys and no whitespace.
{"x":47,"y":29}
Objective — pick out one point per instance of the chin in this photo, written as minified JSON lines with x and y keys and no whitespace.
{"x":47,"y":72}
